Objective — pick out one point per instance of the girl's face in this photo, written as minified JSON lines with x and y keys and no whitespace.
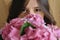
{"x":32,"y":8}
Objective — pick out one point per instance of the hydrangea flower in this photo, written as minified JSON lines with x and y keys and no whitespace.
{"x":12,"y":30}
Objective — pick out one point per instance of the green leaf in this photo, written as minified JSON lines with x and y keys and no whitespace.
{"x":25,"y":25}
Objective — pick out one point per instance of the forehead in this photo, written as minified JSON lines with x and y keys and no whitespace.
{"x":32,"y":3}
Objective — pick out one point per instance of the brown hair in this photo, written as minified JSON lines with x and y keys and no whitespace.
{"x":18,"y":5}
{"x":49,"y":19}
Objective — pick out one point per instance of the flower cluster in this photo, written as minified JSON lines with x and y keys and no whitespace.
{"x":12,"y":30}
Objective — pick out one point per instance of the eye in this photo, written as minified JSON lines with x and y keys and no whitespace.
{"x":23,"y":9}
{"x":27,"y":10}
{"x":37,"y":10}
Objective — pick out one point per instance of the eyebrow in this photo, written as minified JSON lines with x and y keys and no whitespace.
{"x":37,"y":7}
{"x":34,"y":8}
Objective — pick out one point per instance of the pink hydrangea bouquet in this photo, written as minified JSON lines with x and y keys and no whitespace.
{"x":31,"y":27}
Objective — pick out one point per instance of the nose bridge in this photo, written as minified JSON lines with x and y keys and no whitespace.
{"x":31,"y":11}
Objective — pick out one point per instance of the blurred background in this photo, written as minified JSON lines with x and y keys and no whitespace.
{"x":4,"y":7}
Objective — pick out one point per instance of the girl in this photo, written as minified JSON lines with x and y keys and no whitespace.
{"x":21,"y":8}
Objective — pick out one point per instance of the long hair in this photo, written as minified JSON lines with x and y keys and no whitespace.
{"x":15,"y":9}
{"x":48,"y":18}
{"x":18,"y":5}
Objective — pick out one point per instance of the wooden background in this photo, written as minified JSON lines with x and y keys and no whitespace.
{"x":4,"y":7}
{"x":55,"y":10}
